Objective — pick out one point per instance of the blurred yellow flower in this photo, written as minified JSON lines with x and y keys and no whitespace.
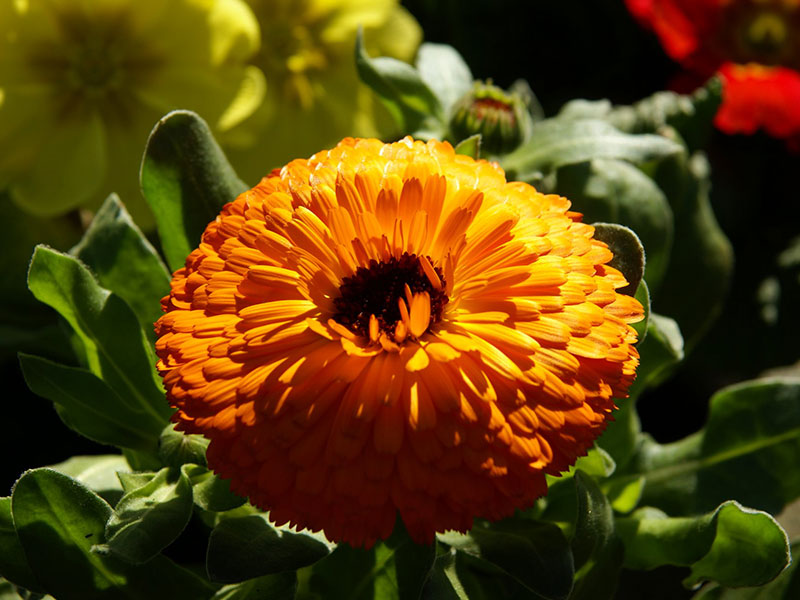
{"x":82,"y":82}
{"x":314,"y":97}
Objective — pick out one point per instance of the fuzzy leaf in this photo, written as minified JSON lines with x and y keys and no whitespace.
{"x":406,"y":95}
{"x":557,"y":142}
{"x":535,"y":554}
{"x":147,"y":519}
{"x":124,"y":261}
{"x":396,"y":569}
{"x":59,"y":522}
{"x":711,"y":544}
{"x":186,"y":180}
{"x":628,"y":253}
{"x":281,"y":586}
{"x":88,"y":405}
{"x":209,"y":492}
{"x":748,"y":452}
{"x":614,"y":191}
{"x":246,"y":547}
{"x":443,"y":69}
{"x":13,"y":564}
{"x":98,"y":473}
{"x":116,"y":349}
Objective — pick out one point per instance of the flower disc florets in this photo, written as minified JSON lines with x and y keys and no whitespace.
{"x":389,"y":329}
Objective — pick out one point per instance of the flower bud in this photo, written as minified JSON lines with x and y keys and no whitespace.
{"x":502,"y":118}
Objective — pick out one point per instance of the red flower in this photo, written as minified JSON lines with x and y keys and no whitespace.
{"x":754,"y":45}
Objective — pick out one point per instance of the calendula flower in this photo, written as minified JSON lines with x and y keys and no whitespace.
{"x":314,"y":97}
{"x":754,"y":45}
{"x":83,"y":83}
{"x":394,"y":328}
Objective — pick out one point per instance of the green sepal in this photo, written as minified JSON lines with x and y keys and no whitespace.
{"x":176,"y":448}
{"x":711,"y":544}
{"x":643,"y":296}
{"x":246,"y":547}
{"x":414,"y":106}
{"x":209,"y":492}
{"x":124,"y":261}
{"x":186,"y":179}
{"x":149,"y":518}
{"x":470,"y":146}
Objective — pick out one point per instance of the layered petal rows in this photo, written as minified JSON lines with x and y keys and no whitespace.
{"x":486,"y":352}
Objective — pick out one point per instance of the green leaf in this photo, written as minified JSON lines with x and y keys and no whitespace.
{"x":442,"y":582}
{"x":13,"y":564}
{"x":246,"y":547}
{"x":408,"y":98}
{"x":643,"y":296}
{"x":701,"y":261}
{"x":692,"y":116}
{"x":98,"y":473}
{"x":535,"y":554}
{"x":748,"y":451}
{"x":116,"y":349}
{"x":146,"y":520}
{"x":785,"y":586}
{"x":624,"y":494}
{"x":176,"y":448}
{"x":555,"y":143}
{"x":124,"y":261}
{"x":444,"y":71}
{"x":470,"y":146}
{"x":281,"y":586}
{"x":628,"y":253}
{"x":209,"y":492}
{"x":614,"y":191}
{"x":660,"y":350}
{"x":712,"y":544}
{"x":88,"y":405}
{"x":596,"y":550}
{"x":59,"y":521}
{"x":186,"y":180}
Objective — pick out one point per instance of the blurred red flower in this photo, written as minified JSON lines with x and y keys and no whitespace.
{"x":754,"y":45}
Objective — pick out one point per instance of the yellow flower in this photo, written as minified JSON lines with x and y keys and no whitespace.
{"x":394,"y":328}
{"x":314,"y":97}
{"x":83,"y":82}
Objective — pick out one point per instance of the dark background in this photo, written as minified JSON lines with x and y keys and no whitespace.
{"x":565,"y":49}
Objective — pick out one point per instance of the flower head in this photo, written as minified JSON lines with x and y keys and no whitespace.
{"x":394,"y":328}
{"x":313,"y":96}
{"x":83,"y":83}
{"x":753,"y":44}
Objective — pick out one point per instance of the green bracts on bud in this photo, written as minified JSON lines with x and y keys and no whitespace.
{"x":503,"y":119}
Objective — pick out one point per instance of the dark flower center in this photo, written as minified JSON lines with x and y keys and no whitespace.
{"x":375,"y":290}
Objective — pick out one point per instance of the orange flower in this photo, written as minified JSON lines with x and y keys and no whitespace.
{"x":394,"y":328}
{"x":754,"y":45}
